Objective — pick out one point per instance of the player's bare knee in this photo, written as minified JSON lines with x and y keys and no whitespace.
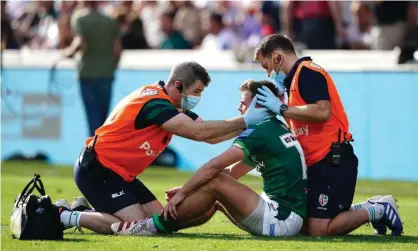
{"x":210,"y":186}
{"x":213,"y":185}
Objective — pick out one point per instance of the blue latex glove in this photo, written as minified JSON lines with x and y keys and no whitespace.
{"x":267,"y":99}
{"x":255,"y":115}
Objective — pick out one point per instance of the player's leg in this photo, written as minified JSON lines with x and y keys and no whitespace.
{"x":238,"y":199}
{"x":195,"y":222}
{"x":200,"y":220}
{"x":254,"y":214}
{"x":222,"y":209}
{"x":208,"y":215}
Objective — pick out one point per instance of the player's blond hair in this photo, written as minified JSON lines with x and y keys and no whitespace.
{"x":252,"y":86}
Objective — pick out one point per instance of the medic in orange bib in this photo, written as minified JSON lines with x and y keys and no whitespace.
{"x":138,"y":129}
{"x":315,"y":114}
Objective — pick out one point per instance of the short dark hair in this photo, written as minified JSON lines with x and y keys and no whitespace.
{"x":188,"y":73}
{"x":274,"y":42}
{"x":91,"y":4}
{"x":171,"y":14}
{"x":216,"y":17}
{"x":252,"y":86}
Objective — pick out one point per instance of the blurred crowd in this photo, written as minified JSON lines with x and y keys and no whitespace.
{"x":218,"y":25}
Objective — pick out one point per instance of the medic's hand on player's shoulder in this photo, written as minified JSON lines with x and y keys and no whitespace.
{"x":267,"y":99}
{"x":256,"y":115}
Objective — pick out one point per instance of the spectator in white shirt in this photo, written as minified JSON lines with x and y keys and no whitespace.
{"x":359,"y":31}
{"x":220,"y":37}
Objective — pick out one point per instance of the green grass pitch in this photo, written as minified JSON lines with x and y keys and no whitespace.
{"x":217,"y":234}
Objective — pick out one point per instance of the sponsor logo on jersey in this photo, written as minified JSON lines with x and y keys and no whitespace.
{"x":301,"y":131}
{"x":288,"y":140}
{"x":147,"y":147}
{"x":148,"y":151}
{"x":149,"y":92}
{"x":323,"y":199}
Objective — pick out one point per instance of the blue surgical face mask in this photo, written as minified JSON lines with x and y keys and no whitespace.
{"x":189,"y":102}
{"x":278,"y":78}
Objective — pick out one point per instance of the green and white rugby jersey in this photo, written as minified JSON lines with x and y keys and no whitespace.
{"x":274,"y":151}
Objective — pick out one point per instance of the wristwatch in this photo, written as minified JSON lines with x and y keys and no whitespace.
{"x":283,"y":108}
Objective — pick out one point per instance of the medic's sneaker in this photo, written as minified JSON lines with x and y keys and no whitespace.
{"x":380,"y":225}
{"x":81,"y":204}
{"x":63,"y":203}
{"x":60,"y":210}
{"x":391,"y":217}
{"x":139,"y":228}
{"x":376,"y":198}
